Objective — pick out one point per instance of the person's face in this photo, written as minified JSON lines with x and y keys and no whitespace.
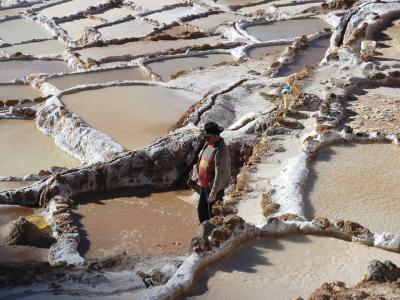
{"x":212,"y":139}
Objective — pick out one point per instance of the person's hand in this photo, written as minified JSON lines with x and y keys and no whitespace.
{"x":211,"y":197}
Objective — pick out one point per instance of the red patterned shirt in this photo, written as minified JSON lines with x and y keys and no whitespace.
{"x":207,"y":167}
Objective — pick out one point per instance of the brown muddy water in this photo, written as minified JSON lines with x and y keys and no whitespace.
{"x":8,"y":92}
{"x":166,"y":68}
{"x":25,"y":150}
{"x":147,"y":223}
{"x":213,"y":21}
{"x":115,"y":14}
{"x":357,"y":182}
{"x":286,"y":29}
{"x":128,"y":29}
{"x":13,"y":185}
{"x":69,"y":7}
{"x":38,"y":48}
{"x":76,"y":28}
{"x":10,"y":213}
{"x":15,"y":69}
{"x":144,"y":47}
{"x":137,"y":116}
{"x":68,"y":81}
{"x":310,"y":56}
{"x":11,"y":11}
{"x":174,"y":15}
{"x":260,"y":52}
{"x":156,"y":4}
{"x":236,"y":2}
{"x":285,"y":268}
{"x":20,"y":30}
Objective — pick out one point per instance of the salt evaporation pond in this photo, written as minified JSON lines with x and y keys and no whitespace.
{"x":357,"y":182}
{"x":25,"y":150}
{"x":115,"y":14}
{"x":174,"y":15}
{"x":129,"y":29}
{"x":310,"y":56}
{"x":144,"y":47}
{"x":20,"y":30}
{"x":155,"y":4}
{"x":8,"y":92}
{"x":147,"y":224}
{"x":285,"y":268}
{"x":15,"y":69}
{"x":69,"y":8}
{"x":8,"y":253}
{"x":76,"y":28}
{"x":67,"y":81}
{"x":286,"y":29}
{"x":214,"y":20}
{"x":36,"y":48}
{"x":13,"y":185}
{"x":262,"y":51}
{"x":137,"y":116}
{"x":166,"y":68}
{"x":11,"y":11}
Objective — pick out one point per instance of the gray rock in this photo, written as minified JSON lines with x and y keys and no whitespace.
{"x":382,"y":272}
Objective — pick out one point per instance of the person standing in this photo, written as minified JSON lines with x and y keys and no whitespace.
{"x":214,"y":170}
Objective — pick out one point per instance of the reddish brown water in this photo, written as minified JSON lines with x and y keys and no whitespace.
{"x":149,"y":224}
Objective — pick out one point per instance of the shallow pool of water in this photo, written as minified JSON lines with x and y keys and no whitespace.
{"x":175,"y":14}
{"x":357,"y":182}
{"x":213,"y":21}
{"x":286,"y":29}
{"x":25,"y":150}
{"x":128,"y":29}
{"x":70,"y":7}
{"x":155,"y":4}
{"x":286,"y":268}
{"x":236,"y":2}
{"x":115,"y":14}
{"x":148,"y":224}
{"x":20,"y":30}
{"x":37,"y":48}
{"x":76,"y":28}
{"x":260,"y":52}
{"x":168,"y":67}
{"x":68,"y":81}
{"x":8,"y":254}
{"x":310,"y":56}
{"x":14,"y":69}
{"x":137,"y":116}
{"x":8,"y":92}
{"x":145,"y":47}
{"x":11,"y":11}
{"x":13,"y":185}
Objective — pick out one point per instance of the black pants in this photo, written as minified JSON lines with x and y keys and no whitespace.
{"x":204,"y":208}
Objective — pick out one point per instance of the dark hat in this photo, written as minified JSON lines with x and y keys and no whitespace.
{"x":211,"y":128}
